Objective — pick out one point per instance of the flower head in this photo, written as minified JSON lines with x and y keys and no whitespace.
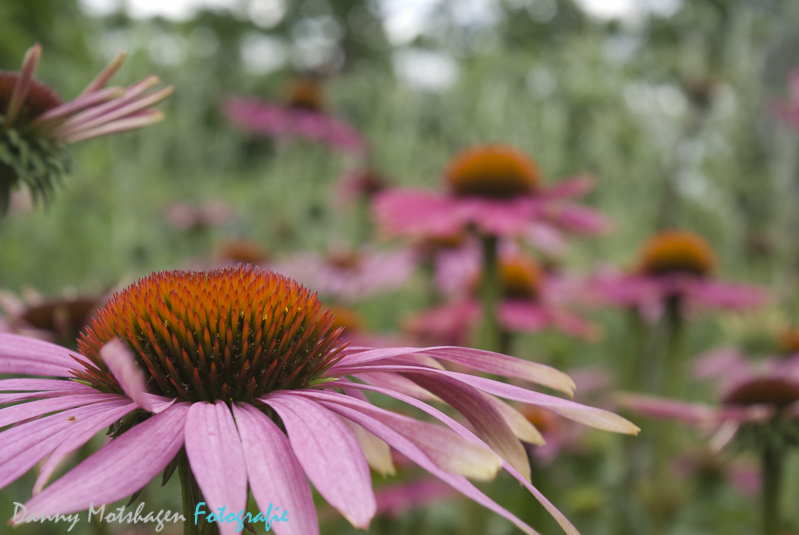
{"x":36,"y":125}
{"x":243,"y":370}
{"x":674,"y":267}
{"x":531,"y":300}
{"x":301,"y":115}
{"x":495,"y":189}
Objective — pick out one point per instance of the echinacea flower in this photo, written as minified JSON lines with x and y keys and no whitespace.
{"x":675,"y":267}
{"x":301,"y":115}
{"x":349,"y":274}
{"x":238,"y":375}
{"x":496,"y":189}
{"x":528,"y":304}
{"x":36,"y":125}
{"x":56,"y":320}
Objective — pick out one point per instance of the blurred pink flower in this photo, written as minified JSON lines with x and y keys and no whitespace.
{"x":301,"y":115}
{"x":350,"y":275}
{"x":36,"y":125}
{"x":764,"y":391}
{"x":530,"y":303}
{"x":208,"y":395}
{"x":55,"y":320}
{"x":674,"y":266}
{"x":199,"y":216}
{"x":496,"y":189}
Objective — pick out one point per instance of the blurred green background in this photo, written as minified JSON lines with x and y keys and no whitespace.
{"x":670,"y":104}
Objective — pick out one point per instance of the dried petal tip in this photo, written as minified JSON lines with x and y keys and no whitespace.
{"x":493,"y":171}
{"x":677,"y":251}
{"x":232,"y":334}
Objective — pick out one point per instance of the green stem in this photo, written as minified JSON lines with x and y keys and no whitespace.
{"x":674,"y":357}
{"x":192,"y":496}
{"x":490,"y":295}
{"x":772,"y":486}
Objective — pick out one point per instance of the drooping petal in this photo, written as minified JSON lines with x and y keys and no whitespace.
{"x":216,"y":457}
{"x":29,"y":356}
{"x":669,"y":409}
{"x":520,"y":425}
{"x":43,"y":385}
{"x":481,"y":413}
{"x":405,"y":446}
{"x":467,"y":434}
{"x":446,"y":449}
{"x":275,"y":474}
{"x":330,"y":456}
{"x":591,"y":416}
{"x":81,"y":433}
{"x":377,"y":452}
{"x":27,"y":444}
{"x":415,"y":213}
{"x":485,"y":361}
{"x":119,"y":469}
{"x":130,"y":377}
{"x":34,"y":409}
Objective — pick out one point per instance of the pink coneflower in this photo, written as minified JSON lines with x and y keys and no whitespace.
{"x":350,"y":274}
{"x":59,"y":320}
{"x":675,"y":267}
{"x":238,"y":376}
{"x":36,"y":125}
{"x":496,"y":189}
{"x":301,"y":115}
{"x":527,"y":305}
{"x":759,"y":409}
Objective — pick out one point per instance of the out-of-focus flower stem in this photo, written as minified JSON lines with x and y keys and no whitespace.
{"x":772,"y":486}
{"x":674,"y":357}
{"x":490,"y":333}
{"x":191,"y":496}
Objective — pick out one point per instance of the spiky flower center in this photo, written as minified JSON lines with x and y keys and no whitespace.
{"x":40,"y":99}
{"x":305,"y":93}
{"x":776,"y":391}
{"x":519,"y":278}
{"x":493,"y":171}
{"x":677,"y":251}
{"x":232,"y":334}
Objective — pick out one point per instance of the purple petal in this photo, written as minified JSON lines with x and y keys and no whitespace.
{"x":486,"y":361}
{"x":27,"y":444}
{"x":601,"y":419}
{"x":446,"y":449}
{"x":130,"y":377}
{"x":275,"y":474}
{"x":29,"y":356}
{"x":34,"y":409}
{"x":329,"y":454}
{"x":405,"y":446}
{"x":81,"y":433}
{"x":520,"y":425}
{"x":377,"y":452}
{"x":485,"y":419}
{"x":216,"y":458}
{"x":42,"y":385}
{"x":119,"y":469}
{"x":468,"y":435}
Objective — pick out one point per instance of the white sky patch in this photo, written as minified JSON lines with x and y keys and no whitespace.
{"x":262,"y":54}
{"x":404,"y":20}
{"x":425,"y":69}
{"x":629,"y":9}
